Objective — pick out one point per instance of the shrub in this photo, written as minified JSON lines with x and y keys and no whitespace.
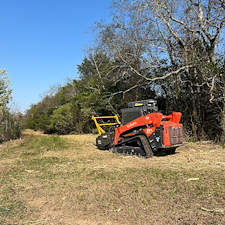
{"x":10,"y":126}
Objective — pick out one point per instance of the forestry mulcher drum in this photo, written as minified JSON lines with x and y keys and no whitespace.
{"x":143,"y":131}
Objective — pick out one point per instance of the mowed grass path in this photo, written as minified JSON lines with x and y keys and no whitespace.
{"x":65,"y":180}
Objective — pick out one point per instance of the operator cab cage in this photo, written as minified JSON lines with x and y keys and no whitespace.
{"x":137,"y":109}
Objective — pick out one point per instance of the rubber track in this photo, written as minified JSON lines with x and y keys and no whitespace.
{"x":146,"y":146}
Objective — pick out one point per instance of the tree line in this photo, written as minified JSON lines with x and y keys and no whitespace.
{"x":167,"y":50}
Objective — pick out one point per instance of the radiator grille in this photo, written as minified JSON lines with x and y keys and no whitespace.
{"x":176,"y":135}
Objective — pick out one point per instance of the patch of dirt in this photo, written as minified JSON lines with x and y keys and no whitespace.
{"x":32,"y":132}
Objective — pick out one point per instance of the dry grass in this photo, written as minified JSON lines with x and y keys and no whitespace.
{"x":65,"y":180}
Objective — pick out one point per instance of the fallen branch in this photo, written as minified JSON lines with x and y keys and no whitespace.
{"x":222,"y":211}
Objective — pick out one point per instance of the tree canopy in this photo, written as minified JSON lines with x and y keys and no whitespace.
{"x":168,"y":50}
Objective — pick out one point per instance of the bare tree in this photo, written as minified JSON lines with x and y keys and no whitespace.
{"x":170,"y":30}
{"x":173,"y":45}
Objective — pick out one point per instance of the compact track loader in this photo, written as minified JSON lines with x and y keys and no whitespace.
{"x":143,"y":131}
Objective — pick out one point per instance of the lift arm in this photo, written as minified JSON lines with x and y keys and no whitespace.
{"x":99,"y":125}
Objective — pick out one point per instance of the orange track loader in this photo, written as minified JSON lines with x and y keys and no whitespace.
{"x":143,"y":131}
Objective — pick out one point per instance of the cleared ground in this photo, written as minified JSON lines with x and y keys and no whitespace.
{"x":65,"y":180}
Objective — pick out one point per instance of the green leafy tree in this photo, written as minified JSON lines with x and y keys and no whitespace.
{"x":10,"y":124}
{"x":61,"y":120}
{"x":5,"y":91}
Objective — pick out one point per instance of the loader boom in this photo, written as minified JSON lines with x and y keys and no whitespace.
{"x":100,"y":125}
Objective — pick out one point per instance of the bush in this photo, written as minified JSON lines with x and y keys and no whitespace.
{"x":10,"y":126}
{"x":61,"y":121}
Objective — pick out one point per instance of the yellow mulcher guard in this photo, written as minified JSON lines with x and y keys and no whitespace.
{"x":99,"y":125}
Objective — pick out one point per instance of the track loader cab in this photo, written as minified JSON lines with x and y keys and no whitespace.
{"x":137,"y":109}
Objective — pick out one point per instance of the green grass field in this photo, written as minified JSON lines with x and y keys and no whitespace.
{"x":65,"y":180}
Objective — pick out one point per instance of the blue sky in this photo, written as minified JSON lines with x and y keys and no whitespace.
{"x":43,"y":41}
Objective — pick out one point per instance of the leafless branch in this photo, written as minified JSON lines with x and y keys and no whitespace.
{"x":170,"y":73}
